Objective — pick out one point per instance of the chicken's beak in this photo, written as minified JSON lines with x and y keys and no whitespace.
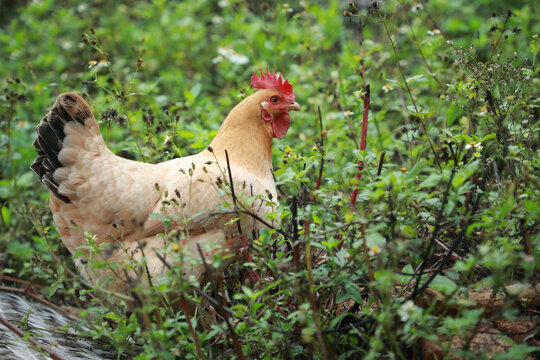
{"x":294,"y":106}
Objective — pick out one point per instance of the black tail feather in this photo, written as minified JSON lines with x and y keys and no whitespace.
{"x":37,"y":166}
{"x":51,"y":185}
{"x":48,"y":166}
{"x":68,"y":107}
{"x":56,"y":124}
{"x":48,"y":137}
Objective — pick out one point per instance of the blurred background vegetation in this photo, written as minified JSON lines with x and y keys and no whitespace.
{"x":450,"y":183}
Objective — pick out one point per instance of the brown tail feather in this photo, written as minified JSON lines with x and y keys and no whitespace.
{"x":68,"y":107}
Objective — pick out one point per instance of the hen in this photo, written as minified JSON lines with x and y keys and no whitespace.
{"x":133,"y":210}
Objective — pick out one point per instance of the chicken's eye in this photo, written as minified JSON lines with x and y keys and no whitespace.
{"x":274,"y":99}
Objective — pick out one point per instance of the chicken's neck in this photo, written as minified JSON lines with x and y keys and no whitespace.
{"x":247,"y":140}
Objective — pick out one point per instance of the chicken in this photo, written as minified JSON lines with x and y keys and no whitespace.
{"x":178,"y":209}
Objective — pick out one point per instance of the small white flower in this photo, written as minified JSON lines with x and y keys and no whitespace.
{"x":223,"y":3}
{"x":434,"y":32}
{"x":474,"y":145}
{"x":287,"y":8}
{"x":374,"y":250}
{"x":348,"y":113}
{"x":66,"y":45}
{"x":406,"y":310}
{"x":102,"y":64}
{"x":224,"y":51}
{"x":332,"y":116}
{"x":358,"y":94}
{"x":416,"y":7}
{"x":167,"y":139}
{"x":239,"y":59}
{"x":231,"y":55}
{"x":92,"y":63}
{"x":386,"y":88}
{"x":483,"y":110}
{"x":23,"y":125}
{"x":81,"y":8}
{"x":477,"y":154}
{"x":90,"y":237}
{"x":217,"y":20}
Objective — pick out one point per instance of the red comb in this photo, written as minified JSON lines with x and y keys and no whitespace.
{"x":273,"y":81}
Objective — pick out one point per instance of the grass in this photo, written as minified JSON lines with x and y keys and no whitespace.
{"x":447,"y":175}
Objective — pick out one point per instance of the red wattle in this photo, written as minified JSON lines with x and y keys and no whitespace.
{"x":280,"y":125}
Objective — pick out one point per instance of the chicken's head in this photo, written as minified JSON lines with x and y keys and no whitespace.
{"x":276,"y":106}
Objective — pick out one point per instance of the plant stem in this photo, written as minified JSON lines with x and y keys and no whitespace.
{"x":402,"y":73}
{"x":363,"y":142}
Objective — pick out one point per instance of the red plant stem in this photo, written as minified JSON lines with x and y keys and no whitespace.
{"x":320,"y":177}
{"x":363,"y":140}
{"x":19,"y":281}
{"x":322,"y":156}
{"x":21,"y":334}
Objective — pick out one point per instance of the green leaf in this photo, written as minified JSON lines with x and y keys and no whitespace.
{"x":443,"y":284}
{"x":414,"y":78}
{"x":431,"y":181}
{"x":531,"y":206}
{"x":19,"y":249}
{"x":5,"y":192}
{"x":190,"y":98}
{"x":406,"y":269}
{"x":159,"y":216}
{"x":186,"y":134}
{"x":6,"y":216}
{"x":452,"y":114}
{"x":25,"y":179}
{"x":348,"y":215}
{"x":254,"y":309}
{"x":113,"y":316}
{"x":54,"y":287}
{"x":464,"y":174}
{"x":196,"y":90}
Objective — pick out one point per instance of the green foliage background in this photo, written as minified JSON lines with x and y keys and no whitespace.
{"x":166,"y":89}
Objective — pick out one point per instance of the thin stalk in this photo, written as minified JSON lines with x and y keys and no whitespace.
{"x":415,"y":41}
{"x":363,"y":142}
{"x":402,"y":73}
{"x":501,"y":32}
{"x":321,"y":168}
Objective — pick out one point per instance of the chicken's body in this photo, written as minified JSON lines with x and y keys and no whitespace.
{"x":100,"y":197}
